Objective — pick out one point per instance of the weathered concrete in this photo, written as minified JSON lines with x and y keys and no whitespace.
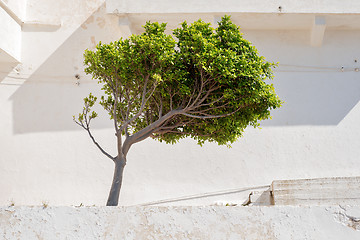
{"x":320,"y":191}
{"x":283,"y":223}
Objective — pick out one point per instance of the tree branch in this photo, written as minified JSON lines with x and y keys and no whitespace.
{"x":98,"y":145}
{"x":148,"y":130}
{"x":143,"y":103}
{"x":93,"y":139}
{"x":114,"y":110}
{"x":206,"y":116}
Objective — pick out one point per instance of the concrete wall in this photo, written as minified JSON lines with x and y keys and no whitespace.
{"x":10,"y":41}
{"x":218,"y":223}
{"x":322,"y":191}
{"x":44,"y":156}
{"x":254,"y":6}
{"x":18,"y":7}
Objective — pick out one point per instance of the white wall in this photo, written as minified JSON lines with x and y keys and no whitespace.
{"x":213,"y":6}
{"x":18,"y":7}
{"x":218,"y":223}
{"x":44,"y":156}
{"x":10,"y":40}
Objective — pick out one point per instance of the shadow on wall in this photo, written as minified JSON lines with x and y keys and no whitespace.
{"x":309,"y":79}
{"x":315,"y":98}
{"x":5,"y":69}
{"x":50,"y":97}
{"x":52,"y":94}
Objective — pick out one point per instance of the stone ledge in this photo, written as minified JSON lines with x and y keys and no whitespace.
{"x":320,"y":191}
{"x":208,"y":222}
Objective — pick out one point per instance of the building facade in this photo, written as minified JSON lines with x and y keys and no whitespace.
{"x":46,"y":157}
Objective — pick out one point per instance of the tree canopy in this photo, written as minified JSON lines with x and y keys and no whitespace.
{"x":204,"y":83}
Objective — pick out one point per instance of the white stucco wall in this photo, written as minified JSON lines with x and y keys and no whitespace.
{"x":44,"y":156}
{"x":228,"y":6}
{"x":218,"y":223}
{"x":18,"y":7}
{"x":10,"y":40}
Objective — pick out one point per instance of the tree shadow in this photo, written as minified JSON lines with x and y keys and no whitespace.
{"x":311,"y":82}
{"x":320,"y":100}
{"x":52,"y":94}
{"x":5,"y":69}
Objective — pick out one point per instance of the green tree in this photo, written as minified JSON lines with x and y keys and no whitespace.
{"x":208,"y":84}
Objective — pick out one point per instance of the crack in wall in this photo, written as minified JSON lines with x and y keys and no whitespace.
{"x":348,"y":217}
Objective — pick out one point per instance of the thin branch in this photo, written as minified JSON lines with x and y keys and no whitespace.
{"x":203,"y":111}
{"x":171,"y":127}
{"x":129,"y":105}
{"x":171,"y":101}
{"x":127,"y":131}
{"x":98,"y":145}
{"x":187,"y":133}
{"x":201,"y":87}
{"x":143,"y":103}
{"x":191,"y":96}
{"x":210,"y":116}
{"x":208,"y":93}
{"x":210,"y":103}
{"x":86,"y":126}
{"x":81,"y":124}
{"x":152,"y":90}
{"x":172,"y":131}
{"x":114,"y":110}
{"x":160,"y":107}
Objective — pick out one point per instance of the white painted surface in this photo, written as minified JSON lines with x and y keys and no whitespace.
{"x":17,"y":6}
{"x":229,"y":6}
{"x":44,"y":156}
{"x":217,"y":223}
{"x":318,"y":31}
{"x":10,"y":38}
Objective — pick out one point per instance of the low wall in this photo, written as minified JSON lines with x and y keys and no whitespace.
{"x":210,"y":222}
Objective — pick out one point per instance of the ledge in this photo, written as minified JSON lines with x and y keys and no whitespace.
{"x":320,"y":191}
{"x":209,"y":222}
{"x":34,"y":26}
{"x":231,"y":6}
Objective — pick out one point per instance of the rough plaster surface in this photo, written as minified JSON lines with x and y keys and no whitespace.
{"x":287,"y":223}
{"x":320,"y":191}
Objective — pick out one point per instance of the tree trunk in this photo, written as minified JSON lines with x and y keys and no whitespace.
{"x":117,"y":180}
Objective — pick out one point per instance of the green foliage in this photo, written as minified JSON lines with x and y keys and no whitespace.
{"x":86,"y":116}
{"x":208,"y":84}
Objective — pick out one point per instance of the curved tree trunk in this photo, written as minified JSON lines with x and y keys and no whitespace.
{"x":117,"y":180}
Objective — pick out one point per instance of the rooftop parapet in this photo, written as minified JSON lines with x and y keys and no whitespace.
{"x":229,"y":6}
